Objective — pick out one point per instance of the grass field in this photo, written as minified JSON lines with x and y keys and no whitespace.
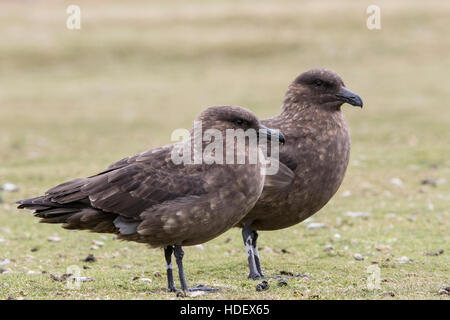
{"x":72,"y":102}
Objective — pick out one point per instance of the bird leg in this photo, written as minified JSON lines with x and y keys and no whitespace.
{"x":179,"y":253}
{"x":254,"y":238}
{"x":248,"y":242}
{"x":256,"y":253}
{"x":170,"y":283}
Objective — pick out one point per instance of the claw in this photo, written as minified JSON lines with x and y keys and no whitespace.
{"x":255,"y":276}
{"x":202,"y":288}
{"x":181,"y":294}
{"x":172,"y":289}
{"x":184,"y":294}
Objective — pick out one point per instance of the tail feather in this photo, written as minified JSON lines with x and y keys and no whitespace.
{"x":68,"y":192}
{"x":35,"y":203}
{"x":75,"y":215}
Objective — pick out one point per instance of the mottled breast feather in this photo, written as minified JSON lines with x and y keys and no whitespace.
{"x":317,"y":153}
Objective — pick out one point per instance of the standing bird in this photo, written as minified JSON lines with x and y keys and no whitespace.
{"x":151,"y":199}
{"x":312,"y":163}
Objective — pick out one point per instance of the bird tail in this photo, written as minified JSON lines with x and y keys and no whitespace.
{"x":72,"y":216}
{"x":37,"y":204}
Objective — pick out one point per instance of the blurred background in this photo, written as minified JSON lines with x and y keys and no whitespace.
{"x":73,"y":101}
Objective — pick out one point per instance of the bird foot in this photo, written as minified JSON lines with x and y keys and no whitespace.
{"x":288,"y":276}
{"x":181,"y":293}
{"x":255,"y":276}
{"x":171,"y":289}
{"x":199,"y":288}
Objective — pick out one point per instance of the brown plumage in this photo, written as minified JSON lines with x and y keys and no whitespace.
{"x":312,"y":162}
{"x":148,"y":198}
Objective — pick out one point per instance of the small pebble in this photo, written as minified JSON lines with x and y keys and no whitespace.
{"x":82,"y":279}
{"x":4,"y":262}
{"x":98,"y":243}
{"x":90,"y":258}
{"x":403,"y":259}
{"x":60,"y":278}
{"x":148,"y":280}
{"x":4,"y":271}
{"x":54,"y":239}
{"x":156,"y":274}
{"x":346,"y":193}
{"x":431,"y":182}
{"x":357,"y":214}
{"x":9,"y":187}
{"x":396,"y":181}
{"x":382,"y":247}
{"x":196,"y":293}
{"x":358,"y":257}
{"x":315,"y":225}
{"x":437,"y":253}
{"x":267,"y":249}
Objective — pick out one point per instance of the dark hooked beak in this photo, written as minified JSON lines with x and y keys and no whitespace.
{"x":346,"y":95}
{"x":271,"y":134}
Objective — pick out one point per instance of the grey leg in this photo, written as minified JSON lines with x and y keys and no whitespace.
{"x":179,"y":253}
{"x":250,"y":238}
{"x":248,"y":242}
{"x":170,"y":283}
{"x":256,"y":253}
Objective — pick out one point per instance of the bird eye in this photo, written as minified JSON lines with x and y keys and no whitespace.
{"x":318,"y":82}
{"x":239,"y":121}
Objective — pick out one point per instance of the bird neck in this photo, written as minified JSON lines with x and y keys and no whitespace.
{"x":294,"y":108}
{"x":299,"y":117}
{"x":221,"y":147}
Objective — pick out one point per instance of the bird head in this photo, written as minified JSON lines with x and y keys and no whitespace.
{"x":322,"y":87}
{"x":234,"y":117}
